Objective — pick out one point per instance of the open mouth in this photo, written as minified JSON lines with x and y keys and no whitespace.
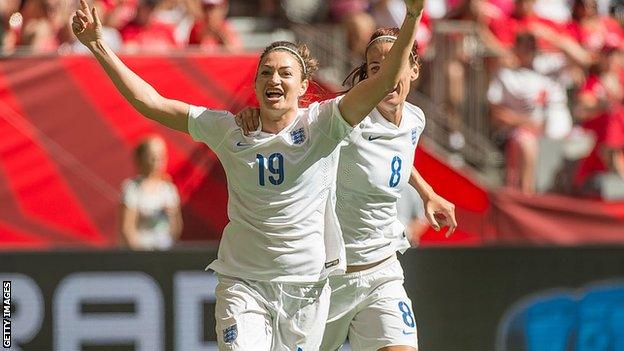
{"x":273,"y":95}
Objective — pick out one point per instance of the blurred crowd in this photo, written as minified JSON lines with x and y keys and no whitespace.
{"x":555,"y":67}
{"x":42,"y":26}
{"x":556,"y":72}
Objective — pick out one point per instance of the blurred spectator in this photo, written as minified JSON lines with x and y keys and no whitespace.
{"x":150,"y":216}
{"x":146,"y":32}
{"x":212,"y":29}
{"x":557,"y":11}
{"x":9,"y":18}
{"x":616,"y":9}
{"x":560,"y":57}
{"x":181,"y":15}
{"x":37,"y":26}
{"x":524,"y":105}
{"x":359,"y":24}
{"x":117,"y":13}
{"x":592,"y":30}
{"x":390,"y":13}
{"x":600,"y":110}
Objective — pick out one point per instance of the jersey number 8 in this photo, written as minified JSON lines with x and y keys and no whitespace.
{"x":395,"y":167}
{"x":271,"y":166}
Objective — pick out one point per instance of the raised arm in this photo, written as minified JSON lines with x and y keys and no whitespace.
{"x":364,"y":96}
{"x":439,"y":211}
{"x":143,"y":97}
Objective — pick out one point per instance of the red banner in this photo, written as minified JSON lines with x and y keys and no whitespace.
{"x":66,"y":141}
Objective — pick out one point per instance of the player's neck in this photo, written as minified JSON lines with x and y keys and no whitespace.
{"x":275,"y":121}
{"x":391,"y":113}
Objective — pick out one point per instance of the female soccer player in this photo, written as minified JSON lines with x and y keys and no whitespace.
{"x":282,"y":240}
{"x":369,"y":303}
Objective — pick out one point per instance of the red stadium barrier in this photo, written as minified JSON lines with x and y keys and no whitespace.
{"x":66,"y":140}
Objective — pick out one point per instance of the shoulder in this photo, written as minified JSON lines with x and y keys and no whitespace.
{"x":325,"y":103}
{"x":414,"y":113}
{"x":130,"y":184}
{"x":170,"y":186}
{"x":204,"y":112}
{"x":324,"y":108}
{"x":210,"y":121}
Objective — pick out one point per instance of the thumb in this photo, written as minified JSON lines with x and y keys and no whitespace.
{"x":96,"y":18}
{"x":432,"y":220}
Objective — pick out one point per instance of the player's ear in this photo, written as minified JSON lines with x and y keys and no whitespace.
{"x":414,"y":72}
{"x":304,"y":87}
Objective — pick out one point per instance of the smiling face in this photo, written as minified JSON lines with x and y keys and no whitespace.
{"x":279,"y":83}
{"x":376,"y":53}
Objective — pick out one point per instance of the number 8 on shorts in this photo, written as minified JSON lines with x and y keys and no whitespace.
{"x":408,"y":317}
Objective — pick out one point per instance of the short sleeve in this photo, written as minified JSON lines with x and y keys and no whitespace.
{"x":129,"y":193}
{"x":495,"y":91}
{"x":173,"y":198}
{"x":326,"y":117}
{"x":209,"y":126}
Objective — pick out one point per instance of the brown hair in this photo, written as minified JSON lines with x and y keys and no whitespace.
{"x":359,"y":73}
{"x":311,"y":63}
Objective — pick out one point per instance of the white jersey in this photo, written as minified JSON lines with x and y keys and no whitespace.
{"x":283,"y":226}
{"x":374,"y":166}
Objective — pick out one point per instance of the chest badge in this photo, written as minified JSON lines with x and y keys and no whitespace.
{"x":298,"y":136}
{"x":414,"y":136}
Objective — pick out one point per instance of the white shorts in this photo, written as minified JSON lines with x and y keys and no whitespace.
{"x":371,"y":308}
{"x":265,"y":316}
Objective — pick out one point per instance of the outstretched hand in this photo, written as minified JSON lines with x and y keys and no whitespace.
{"x":86,"y":24}
{"x":440,"y":213}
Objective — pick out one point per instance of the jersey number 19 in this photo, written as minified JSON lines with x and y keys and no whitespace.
{"x":277,"y":171}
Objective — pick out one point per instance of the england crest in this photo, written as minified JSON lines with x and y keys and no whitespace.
{"x":298,"y":136}
{"x":230,"y":333}
{"x":414,"y":136}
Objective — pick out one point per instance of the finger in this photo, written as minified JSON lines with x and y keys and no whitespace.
{"x":75,"y":20}
{"x":81,"y":15}
{"x":249,"y":125}
{"x":432,"y":220}
{"x":256,"y":120}
{"x":453,"y":224}
{"x":84,"y":7}
{"x":96,"y":18}
{"x":238,"y":120}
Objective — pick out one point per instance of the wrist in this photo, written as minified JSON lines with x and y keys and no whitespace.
{"x":427,"y":194}
{"x":95,"y":46}
{"x":414,"y":13}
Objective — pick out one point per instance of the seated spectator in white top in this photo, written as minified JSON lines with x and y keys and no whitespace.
{"x":150,"y":206}
{"x":525,"y":105}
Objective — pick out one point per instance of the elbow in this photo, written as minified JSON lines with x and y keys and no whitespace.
{"x":147,"y":104}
